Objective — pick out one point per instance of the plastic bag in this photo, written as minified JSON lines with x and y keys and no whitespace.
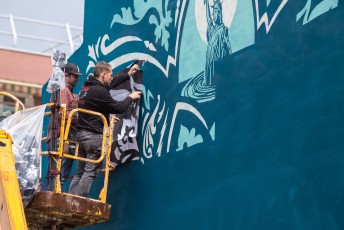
{"x":57,"y":79}
{"x":25,"y":127}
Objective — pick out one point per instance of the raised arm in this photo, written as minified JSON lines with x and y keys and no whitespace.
{"x":123,"y":75}
{"x":207,"y":8}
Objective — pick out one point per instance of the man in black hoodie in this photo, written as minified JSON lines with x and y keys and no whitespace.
{"x":95,"y":96}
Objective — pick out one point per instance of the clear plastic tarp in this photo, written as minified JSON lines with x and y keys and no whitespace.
{"x":57,"y":80}
{"x":25,"y":127}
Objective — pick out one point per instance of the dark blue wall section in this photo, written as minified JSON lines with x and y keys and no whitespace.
{"x":276,"y":160}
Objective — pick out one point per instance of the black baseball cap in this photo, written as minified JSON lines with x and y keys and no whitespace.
{"x":72,"y":69}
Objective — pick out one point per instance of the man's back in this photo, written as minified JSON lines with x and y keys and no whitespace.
{"x":96,"y":97}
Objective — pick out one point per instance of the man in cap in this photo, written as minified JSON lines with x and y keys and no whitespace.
{"x":95,"y":96}
{"x":63,"y":96}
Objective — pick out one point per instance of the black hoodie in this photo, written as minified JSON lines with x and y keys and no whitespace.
{"x":96,"y":97}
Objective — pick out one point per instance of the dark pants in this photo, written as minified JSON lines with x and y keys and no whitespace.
{"x":48,"y":183}
{"x":90,"y":145}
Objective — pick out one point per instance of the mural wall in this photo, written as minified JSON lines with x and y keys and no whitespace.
{"x":241,"y":121}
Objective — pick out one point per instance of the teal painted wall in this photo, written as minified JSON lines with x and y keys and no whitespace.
{"x":241,"y":128}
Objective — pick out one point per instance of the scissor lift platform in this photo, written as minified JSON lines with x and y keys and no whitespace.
{"x":64,"y":211}
{"x":52,"y":210}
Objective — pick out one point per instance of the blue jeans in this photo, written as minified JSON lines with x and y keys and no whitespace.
{"x":90,"y":145}
{"x":48,"y":183}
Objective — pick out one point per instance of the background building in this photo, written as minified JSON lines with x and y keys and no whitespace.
{"x":26,"y":47}
{"x":23,"y":74}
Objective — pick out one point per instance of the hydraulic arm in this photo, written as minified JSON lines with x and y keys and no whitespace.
{"x":11,"y":207}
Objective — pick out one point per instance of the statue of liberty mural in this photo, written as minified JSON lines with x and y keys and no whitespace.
{"x":202,"y":86}
{"x":218,"y":40}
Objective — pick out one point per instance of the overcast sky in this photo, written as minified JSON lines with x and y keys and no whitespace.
{"x":62,"y":11}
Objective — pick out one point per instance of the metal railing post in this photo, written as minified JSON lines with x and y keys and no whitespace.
{"x":14,"y":32}
{"x":15,"y":36}
{"x":70,"y":38}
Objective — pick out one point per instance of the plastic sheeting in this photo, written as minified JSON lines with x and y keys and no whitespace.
{"x":57,"y":79}
{"x":25,"y":128}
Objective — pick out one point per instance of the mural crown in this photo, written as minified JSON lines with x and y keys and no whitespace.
{"x":217,"y":5}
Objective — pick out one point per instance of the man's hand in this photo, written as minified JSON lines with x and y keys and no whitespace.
{"x":133,"y":69}
{"x":135,"y":95}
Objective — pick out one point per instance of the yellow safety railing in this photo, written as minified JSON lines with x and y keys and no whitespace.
{"x":103,"y":192}
{"x":15,"y":99}
{"x":64,"y":142}
{"x":105,"y":134}
{"x":106,"y":145}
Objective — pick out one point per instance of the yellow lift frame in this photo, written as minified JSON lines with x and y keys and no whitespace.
{"x":55,"y":210}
